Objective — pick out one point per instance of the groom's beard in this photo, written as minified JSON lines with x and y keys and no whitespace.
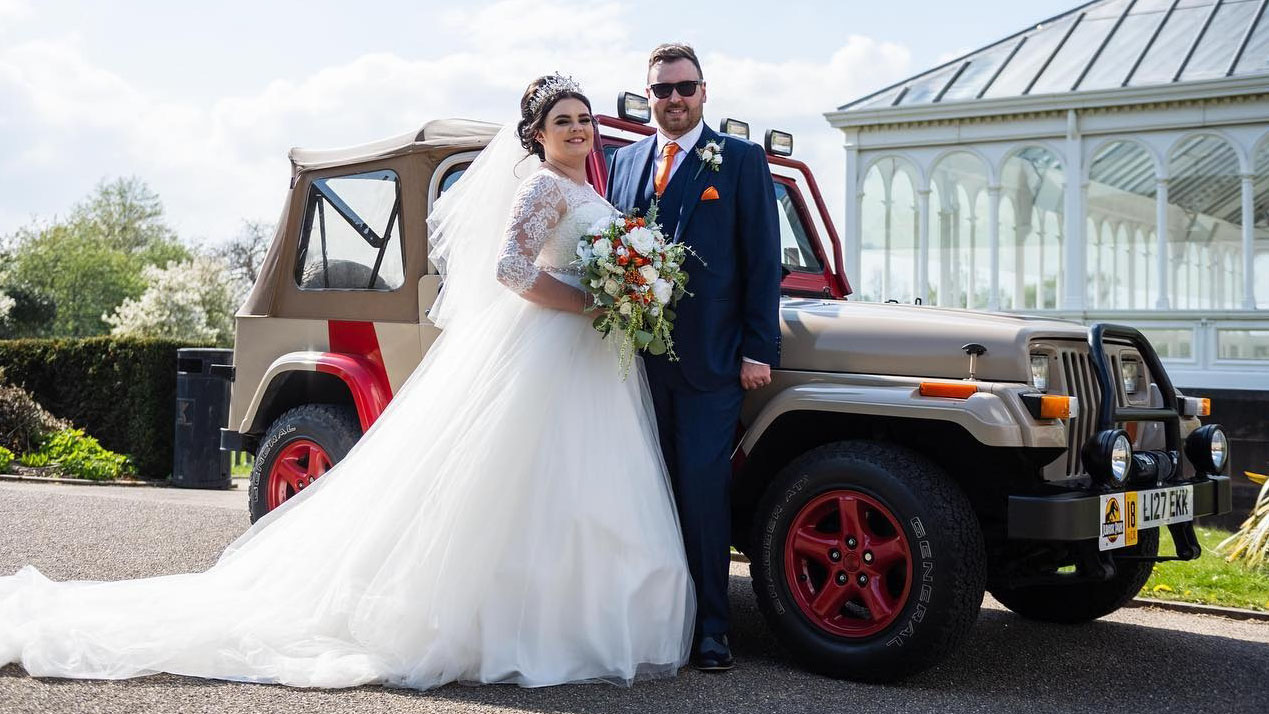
{"x":679,"y":124}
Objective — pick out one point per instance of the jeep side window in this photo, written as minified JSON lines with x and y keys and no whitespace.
{"x":796,"y":252}
{"x":450,"y":178}
{"x":350,"y":239}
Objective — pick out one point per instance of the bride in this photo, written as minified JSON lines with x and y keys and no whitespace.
{"x":531,"y":537}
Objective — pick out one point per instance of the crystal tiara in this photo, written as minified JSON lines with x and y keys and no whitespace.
{"x":554,"y":84}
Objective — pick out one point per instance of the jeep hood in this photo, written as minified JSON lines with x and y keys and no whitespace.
{"x":911,"y":340}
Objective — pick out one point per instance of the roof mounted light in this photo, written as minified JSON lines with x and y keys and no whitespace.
{"x":735,"y":127}
{"x":634,"y":107}
{"x":779,"y":143}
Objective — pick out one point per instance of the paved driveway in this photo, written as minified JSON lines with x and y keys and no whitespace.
{"x":1139,"y":660}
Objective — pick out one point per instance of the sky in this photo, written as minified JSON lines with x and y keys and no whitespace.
{"x":202,"y":101}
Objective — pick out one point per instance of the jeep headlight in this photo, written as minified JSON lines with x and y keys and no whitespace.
{"x":1040,"y":372}
{"x":1207,"y":448}
{"x":1130,"y":372}
{"x":1107,"y":456}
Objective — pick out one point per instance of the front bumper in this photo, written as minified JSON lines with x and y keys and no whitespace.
{"x":1075,"y":516}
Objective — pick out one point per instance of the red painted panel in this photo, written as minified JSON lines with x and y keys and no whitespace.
{"x":356,"y":358}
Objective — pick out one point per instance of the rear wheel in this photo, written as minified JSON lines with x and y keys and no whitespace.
{"x":869,"y":562}
{"x":1087,"y":600}
{"x":300,"y":446}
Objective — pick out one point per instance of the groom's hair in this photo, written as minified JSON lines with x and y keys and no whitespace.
{"x":672,"y":51}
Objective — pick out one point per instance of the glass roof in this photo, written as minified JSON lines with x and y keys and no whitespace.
{"x":1100,"y":45}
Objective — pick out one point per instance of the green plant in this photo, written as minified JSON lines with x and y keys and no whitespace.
{"x":34,"y":460}
{"x":71,"y":452}
{"x":6,"y":458}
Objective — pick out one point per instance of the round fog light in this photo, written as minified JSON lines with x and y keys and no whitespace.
{"x":1108,"y":456}
{"x":1208,"y":449}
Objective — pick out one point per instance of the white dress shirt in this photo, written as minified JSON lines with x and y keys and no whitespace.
{"x":686,"y":143}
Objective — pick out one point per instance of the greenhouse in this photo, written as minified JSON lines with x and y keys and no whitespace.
{"x":1110,"y":163}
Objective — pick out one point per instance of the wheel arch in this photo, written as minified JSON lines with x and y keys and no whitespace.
{"x":316,"y":378}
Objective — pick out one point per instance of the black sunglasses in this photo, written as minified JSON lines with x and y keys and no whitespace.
{"x":685,"y":88}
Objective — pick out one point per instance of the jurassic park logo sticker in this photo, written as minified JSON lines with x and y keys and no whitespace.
{"x":1113,"y":529}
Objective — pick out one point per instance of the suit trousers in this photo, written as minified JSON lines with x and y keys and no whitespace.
{"x":698,"y":433}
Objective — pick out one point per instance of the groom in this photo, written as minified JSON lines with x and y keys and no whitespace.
{"x":727,"y":334}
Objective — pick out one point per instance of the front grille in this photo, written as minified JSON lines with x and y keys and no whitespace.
{"x":1079,"y":381}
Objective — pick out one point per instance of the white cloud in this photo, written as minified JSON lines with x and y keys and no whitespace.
{"x":12,"y":11}
{"x":65,"y":123}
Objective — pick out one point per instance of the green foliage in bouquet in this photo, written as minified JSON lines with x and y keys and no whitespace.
{"x":636,"y":276}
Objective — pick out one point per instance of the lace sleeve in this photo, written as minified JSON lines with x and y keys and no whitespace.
{"x":537,"y":209}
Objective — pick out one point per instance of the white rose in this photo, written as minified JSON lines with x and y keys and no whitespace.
{"x":649,"y":273}
{"x":718,"y":160}
{"x":602,"y":249}
{"x":612,"y":287}
{"x":625,"y":309}
{"x":642,"y":239}
{"x":596,"y":284}
{"x":663,"y":290}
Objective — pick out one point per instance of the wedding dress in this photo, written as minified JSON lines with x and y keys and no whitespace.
{"x":508,"y":518}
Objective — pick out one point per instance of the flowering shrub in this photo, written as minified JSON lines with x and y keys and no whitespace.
{"x":192,"y":300}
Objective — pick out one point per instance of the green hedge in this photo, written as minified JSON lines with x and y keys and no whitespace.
{"x":122,"y":391}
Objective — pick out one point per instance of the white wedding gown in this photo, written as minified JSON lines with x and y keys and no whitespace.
{"x":507,"y":519}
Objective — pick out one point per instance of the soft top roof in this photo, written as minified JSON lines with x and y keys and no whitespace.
{"x":438,"y":132}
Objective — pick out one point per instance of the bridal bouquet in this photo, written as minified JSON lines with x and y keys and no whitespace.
{"x":636,"y":276}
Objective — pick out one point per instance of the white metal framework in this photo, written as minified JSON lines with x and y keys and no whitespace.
{"x":1109,"y":163}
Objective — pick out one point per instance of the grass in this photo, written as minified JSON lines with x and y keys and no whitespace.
{"x":1208,"y":580}
{"x":242,"y":470}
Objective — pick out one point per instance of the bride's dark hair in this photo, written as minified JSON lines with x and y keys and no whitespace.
{"x":533,"y":115}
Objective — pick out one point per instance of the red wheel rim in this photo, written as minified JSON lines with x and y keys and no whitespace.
{"x":296,"y":467}
{"x":848,"y":564}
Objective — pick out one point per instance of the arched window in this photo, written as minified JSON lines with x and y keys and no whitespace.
{"x":1031,"y":179}
{"x":1121,"y":189}
{"x":1010,"y":270}
{"x":1204,"y":219}
{"x":958,"y":224}
{"x":1260,"y":241}
{"x":889,"y":239}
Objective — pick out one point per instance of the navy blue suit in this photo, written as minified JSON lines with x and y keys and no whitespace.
{"x":733,"y":312}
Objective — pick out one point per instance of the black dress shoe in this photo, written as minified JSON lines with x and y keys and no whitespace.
{"x":712,"y":654}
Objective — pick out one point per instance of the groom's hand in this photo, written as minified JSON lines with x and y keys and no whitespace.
{"x":754,"y":374}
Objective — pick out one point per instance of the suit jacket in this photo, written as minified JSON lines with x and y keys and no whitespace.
{"x":734,"y":307}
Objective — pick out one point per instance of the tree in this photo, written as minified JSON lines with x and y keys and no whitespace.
{"x":193,"y":300}
{"x":89,"y":264}
{"x":245,"y":251}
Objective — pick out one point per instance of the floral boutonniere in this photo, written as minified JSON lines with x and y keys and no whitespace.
{"x":711,"y":155}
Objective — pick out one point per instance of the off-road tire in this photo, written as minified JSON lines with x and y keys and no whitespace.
{"x":1071,"y":603}
{"x":335,"y":428}
{"x":948,"y":562}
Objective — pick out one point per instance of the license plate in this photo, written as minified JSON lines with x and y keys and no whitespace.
{"x":1124,"y":515}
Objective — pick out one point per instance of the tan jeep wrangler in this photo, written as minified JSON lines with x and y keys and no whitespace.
{"x":904,"y":459}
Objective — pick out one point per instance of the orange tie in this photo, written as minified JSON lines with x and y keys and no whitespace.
{"x":664,"y":166}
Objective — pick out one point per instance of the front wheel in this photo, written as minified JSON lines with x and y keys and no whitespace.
{"x":299,"y":446}
{"x":869,"y":561}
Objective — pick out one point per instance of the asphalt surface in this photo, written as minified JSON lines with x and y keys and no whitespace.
{"x":1137,"y":660}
